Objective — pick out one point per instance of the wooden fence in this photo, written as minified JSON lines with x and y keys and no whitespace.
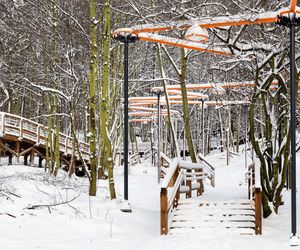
{"x":17,"y":128}
{"x":255,"y":194}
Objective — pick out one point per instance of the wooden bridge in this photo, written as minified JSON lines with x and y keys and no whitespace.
{"x":23,"y":137}
{"x":181,"y":213}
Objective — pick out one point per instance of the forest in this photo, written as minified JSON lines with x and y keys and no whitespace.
{"x":62,"y":66}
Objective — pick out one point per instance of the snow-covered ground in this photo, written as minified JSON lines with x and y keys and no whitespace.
{"x":97,"y":223}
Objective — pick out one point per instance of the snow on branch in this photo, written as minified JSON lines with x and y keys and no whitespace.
{"x":47,"y":89}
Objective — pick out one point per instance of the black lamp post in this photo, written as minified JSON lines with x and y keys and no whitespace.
{"x":158,"y":134}
{"x":246,"y":134}
{"x":126,"y":38}
{"x":202,"y":126}
{"x":292,"y":21}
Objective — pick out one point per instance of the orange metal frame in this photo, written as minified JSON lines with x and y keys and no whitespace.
{"x":154,"y":98}
{"x":143,"y":120}
{"x":209,"y":86}
{"x":208,"y":103}
{"x":141,"y":108}
{"x":148,"y":32}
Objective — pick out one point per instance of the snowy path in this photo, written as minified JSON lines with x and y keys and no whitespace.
{"x":110,"y":229}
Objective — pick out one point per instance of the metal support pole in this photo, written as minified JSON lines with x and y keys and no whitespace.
{"x":246,"y":134}
{"x":158,"y":135}
{"x":126,"y":141}
{"x":126,"y":38}
{"x":184,"y":158}
{"x":202,"y":126}
{"x":291,"y":21}
{"x":293,"y":127}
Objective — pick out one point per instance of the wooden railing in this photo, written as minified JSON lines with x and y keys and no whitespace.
{"x":255,"y":194}
{"x":20,"y":128}
{"x":180,"y":177}
{"x":169,"y":194}
{"x":209,"y":168}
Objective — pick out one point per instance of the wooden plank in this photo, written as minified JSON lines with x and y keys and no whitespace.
{"x":211,"y":231}
{"x":213,"y":213}
{"x":213,"y":224}
{"x":216,"y":217}
{"x":216,"y":203}
{"x":6,"y":148}
{"x":258,"y":211}
{"x":164,"y":227}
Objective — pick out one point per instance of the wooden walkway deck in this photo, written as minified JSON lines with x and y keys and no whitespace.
{"x":23,"y":137}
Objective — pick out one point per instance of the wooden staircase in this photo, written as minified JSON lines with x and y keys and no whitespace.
{"x":181,"y":213}
{"x":194,"y":215}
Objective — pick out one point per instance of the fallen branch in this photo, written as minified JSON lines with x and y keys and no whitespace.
{"x":51,"y":205}
{"x":11,"y":215}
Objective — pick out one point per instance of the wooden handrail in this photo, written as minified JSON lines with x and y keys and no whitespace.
{"x":255,"y":193}
{"x":171,"y":184}
{"x":22,"y":128}
{"x":169,"y":199}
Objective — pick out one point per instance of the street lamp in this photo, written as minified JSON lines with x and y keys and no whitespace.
{"x":291,"y":21}
{"x":125,"y":38}
{"x":158,"y":134}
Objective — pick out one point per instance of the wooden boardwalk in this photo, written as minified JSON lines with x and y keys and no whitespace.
{"x":22,"y":137}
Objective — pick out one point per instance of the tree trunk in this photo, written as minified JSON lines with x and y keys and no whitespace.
{"x":92,"y":99}
{"x":185,"y":106}
{"x":107,"y":147}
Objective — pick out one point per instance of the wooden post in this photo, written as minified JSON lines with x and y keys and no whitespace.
{"x":177,"y":197}
{"x":38,"y":132}
{"x":258,"y":208}
{"x":164,"y":227}
{"x":25,"y":159}
{"x":32,"y":158}
{"x":21,"y":129}
{"x":40,"y":162}
{"x":18,"y":151}
{"x":200,"y":190}
{"x":10,"y":159}
{"x":213,"y":180}
{"x":189,"y":184}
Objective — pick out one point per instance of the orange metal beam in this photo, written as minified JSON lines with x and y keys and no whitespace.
{"x":140,"y":120}
{"x":133,"y":107}
{"x":151,"y":102}
{"x":215,"y":22}
{"x":178,"y":92}
{"x":209,"y":86}
{"x":154,"y":98}
{"x":209,"y":103}
{"x":293,"y":5}
{"x":181,"y":43}
{"x":143,"y":114}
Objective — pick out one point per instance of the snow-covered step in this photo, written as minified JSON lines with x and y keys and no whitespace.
{"x":212,"y":231}
{"x":236,"y":216}
{"x":185,"y":189}
{"x":179,"y":210}
{"x":229,"y":207}
{"x":213,"y":224}
{"x":197,"y":201}
{"x":210,"y":204}
{"x":213,"y":218}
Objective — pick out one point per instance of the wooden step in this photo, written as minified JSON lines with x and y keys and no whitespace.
{"x":214,"y":212}
{"x":214,"y":203}
{"x":212,"y":231}
{"x":212,"y":207}
{"x":213,"y":224}
{"x":185,"y":189}
{"x":213,"y":218}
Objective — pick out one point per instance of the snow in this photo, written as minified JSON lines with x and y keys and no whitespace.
{"x":97,"y":222}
